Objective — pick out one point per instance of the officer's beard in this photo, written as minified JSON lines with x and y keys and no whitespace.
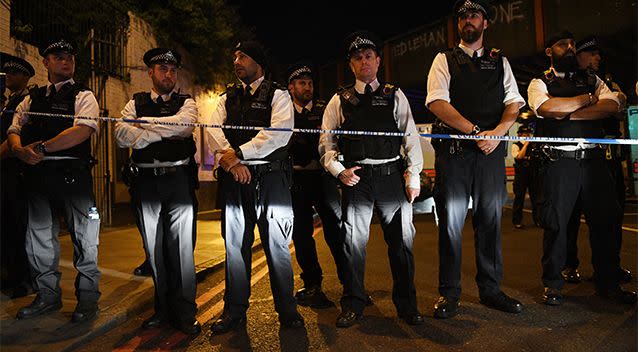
{"x":471,"y":34}
{"x":565,"y":63}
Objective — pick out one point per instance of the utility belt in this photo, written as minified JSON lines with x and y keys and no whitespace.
{"x":62,"y":164}
{"x":554,"y":154}
{"x":384,"y":169}
{"x":156,"y":171}
{"x":276,"y":165}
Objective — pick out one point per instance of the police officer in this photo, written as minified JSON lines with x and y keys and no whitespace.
{"x":15,"y":266}
{"x":471,"y":90}
{"x":162,"y":188}
{"x":254,"y":177}
{"x":523,"y":173}
{"x":572,"y":103}
{"x":371,"y":169}
{"x":311,"y":187}
{"x":57,"y":152}
{"x":588,"y":55}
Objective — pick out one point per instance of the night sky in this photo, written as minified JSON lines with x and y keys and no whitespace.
{"x":293,"y":30}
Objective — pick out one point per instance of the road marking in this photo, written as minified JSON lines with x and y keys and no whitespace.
{"x":203,"y":317}
{"x":626,"y":228}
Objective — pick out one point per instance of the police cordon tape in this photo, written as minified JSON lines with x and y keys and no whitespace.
{"x":155,"y":121}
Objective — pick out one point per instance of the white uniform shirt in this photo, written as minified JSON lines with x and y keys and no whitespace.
{"x":537,"y":94}
{"x":265,"y":142}
{"x":333,"y":118}
{"x":439,"y":80}
{"x":85,"y":105}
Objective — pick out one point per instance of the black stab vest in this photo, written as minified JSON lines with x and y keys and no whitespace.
{"x":369,"y":112}
{"x":476,"y":86}
{"x":7,"y":114}
{"x":304,"y":146}
{"x":251,"y":110}
{"x":46,"y":127}
{"x":166,"y":150}
{"x":579,"y":83}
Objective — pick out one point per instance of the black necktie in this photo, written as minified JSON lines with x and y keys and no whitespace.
{"x":475,"y":55}
{"x":53,"y":91}
{"x":159,"y":100}
{"x":368,"y":89}
{"x":247,"y":91}
{"x":305,"y":112}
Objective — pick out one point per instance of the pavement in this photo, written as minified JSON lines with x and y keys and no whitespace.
{"x":123,"y":294}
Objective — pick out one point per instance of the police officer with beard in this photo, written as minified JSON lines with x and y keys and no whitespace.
{"x":471,"y":90}
{"x":572,"y":103}
{"x":162,"y":188}
{"x":57,"y":177}
{"x":588,"y":55}
{"x":371,"y":169}
{"x":254,"y":178}
{"x":15,"y":266}
{"x":312,"y":188}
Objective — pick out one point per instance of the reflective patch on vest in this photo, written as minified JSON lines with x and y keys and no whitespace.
{"x":380,"y":101}
{"x":258,"y":105}
{"x":60,"y":106}
{"x":487,"y":65}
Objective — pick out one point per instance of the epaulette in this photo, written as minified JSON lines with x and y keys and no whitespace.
{"x":278,"y":85}
{"x":231,"y":89}
{"x":548,"y":75}
{"x":319,"y":105}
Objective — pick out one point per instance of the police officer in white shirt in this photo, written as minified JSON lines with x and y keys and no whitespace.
{"x":162,"y":181}
{"x":371,"y":169}
{"x":572,"y":103}
{"x":254,"y":176}
{"x":471,"y":90}
{"x":57,"y":151}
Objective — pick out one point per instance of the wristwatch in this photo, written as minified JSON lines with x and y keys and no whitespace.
{"x":475,"y":130}
{"x":41,"y":148}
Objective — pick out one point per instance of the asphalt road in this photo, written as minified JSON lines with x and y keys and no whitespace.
{"x":584,"y":322}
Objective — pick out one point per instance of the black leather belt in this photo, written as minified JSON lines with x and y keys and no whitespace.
{"x":380,"y":169}
{"x":277,"y":165}
{"x":580,"y":154}
{"x":158,"y":171}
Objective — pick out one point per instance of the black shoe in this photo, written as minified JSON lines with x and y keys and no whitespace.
{"x":413,"y":318}
{"x":313,"y":297}
{"x":619,"y":295}
{"x":518,"y":226}
{"x":192,"y":327}
{"x":552,"y":297}
{"x":156,"y":320}
{"x":446,"y":307}
{"x":38,"y":307}
{"x":625,"y":276}
{"x":348,"y":318}
{"x":144,"y":269}
{"x":502,"y":302}
{"x":571,"y":275}
{"x":292,"y":321}
{"x":85,"y":311}
{"x":227,"y":323}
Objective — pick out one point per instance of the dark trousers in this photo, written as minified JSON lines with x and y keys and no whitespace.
{"x":265,"y":202}
{"x":13,"y":256}
{"x":588,"y":184}
{"x":385,"y":194}
{"x":523,"y":182}
{"x":573,"y":226}
{"x":164,"y":207}
{"x":61,"y":186}
{"x":316,"y":189}
{"x":459,"y":176}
